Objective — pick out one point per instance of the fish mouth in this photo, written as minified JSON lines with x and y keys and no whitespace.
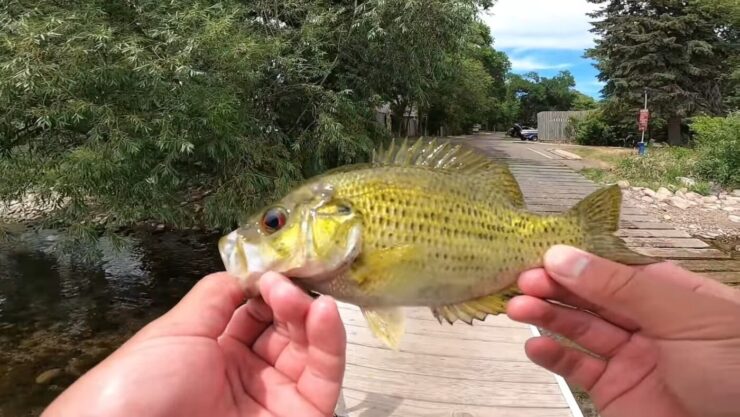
{"x":236,"y":263}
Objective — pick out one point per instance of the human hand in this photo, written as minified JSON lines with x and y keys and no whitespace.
{"x":212,"y":355}
{"x":667,"y":340}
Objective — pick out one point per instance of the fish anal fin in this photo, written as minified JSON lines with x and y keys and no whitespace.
{"x":453,"y":157}
{"x":477,"y":308}
{"x":387,"y":324}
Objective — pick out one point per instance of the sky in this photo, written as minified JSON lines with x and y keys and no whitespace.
{"x":546,"y":36}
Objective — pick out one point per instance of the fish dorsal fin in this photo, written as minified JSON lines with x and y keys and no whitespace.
{"x":476,"y":309}
{"x":452,"y":157}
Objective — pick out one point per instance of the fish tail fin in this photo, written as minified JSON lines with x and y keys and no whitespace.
{"x":598,"y":214}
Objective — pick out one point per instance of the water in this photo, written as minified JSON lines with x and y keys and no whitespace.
{"x":60,"y":315}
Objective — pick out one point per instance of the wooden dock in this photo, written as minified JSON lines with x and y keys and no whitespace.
{"x":482,"y":371}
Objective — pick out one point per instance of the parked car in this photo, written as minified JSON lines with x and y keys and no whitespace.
{"x":523,"y":132}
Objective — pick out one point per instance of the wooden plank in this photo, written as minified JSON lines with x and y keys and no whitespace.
{"x":652,"y":233}
{"x":668,"y":253}
{"x":456,"y":390}
{"x":430,"y":345}
{"x":658,"y":242}
{"x":645,"y":225}
{"x":414,"y":363}
{"x":726,"y":277}
{"x":487,"y":330}
{"x":699,"y":265}
{"x":363,"y":404}
{"x":639,"y":218}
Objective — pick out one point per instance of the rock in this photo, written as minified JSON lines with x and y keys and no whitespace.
{"x":663,"y":193}
{"x":623,"y":184}
{"x":688,"y":182}
{"x":712,"y":206}
{"x":684,"y":190}
{"x":647,"y":199}
{"x":730,"y":209}
{"x":735,"y":193}
{"x":47,"y":376}
{"x":734,"y":219}
{"x":159,"y":228}
{"x":710,"y":199}
{"x":666,"y":217}
{"x":732,"y":201}
{"x":650,"y":193}
{"x":679,"y":202}
{"x":75,"y":367}
{"x":693,"y":196}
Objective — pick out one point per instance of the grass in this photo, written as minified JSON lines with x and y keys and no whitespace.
{"x":610,"y":156}
{"x":660,"y":167}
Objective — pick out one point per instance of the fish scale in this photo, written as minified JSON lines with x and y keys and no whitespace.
{"x":423,"y":224}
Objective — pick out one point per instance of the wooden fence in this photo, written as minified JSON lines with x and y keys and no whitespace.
{"x":551,"y":124}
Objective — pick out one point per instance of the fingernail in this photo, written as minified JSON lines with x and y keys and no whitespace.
{"x":566,"y":262}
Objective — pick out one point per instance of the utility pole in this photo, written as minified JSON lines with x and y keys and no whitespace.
{"x":644,"y":117}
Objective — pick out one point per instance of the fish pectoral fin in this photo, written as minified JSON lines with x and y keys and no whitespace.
{"x":375,"y":264}
{"x":387,"y":324}
{"x":477,"y":308}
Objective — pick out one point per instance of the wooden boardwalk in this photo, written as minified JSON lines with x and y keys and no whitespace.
{"x":482,"y":371}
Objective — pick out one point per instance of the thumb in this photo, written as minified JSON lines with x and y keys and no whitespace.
{"x":645,"y":295}
{"x":204,"y":311}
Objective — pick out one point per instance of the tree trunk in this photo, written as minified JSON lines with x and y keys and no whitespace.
{"x":674,"y":131}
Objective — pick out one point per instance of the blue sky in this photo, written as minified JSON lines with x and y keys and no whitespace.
{"x":546,"y":36}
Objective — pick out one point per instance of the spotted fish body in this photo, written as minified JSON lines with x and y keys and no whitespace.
{"x":431,"y":225}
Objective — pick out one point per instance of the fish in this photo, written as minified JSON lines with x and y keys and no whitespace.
{"x":425,"y":223}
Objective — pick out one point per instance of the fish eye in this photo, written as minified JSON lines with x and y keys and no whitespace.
{"x":273,"y":220}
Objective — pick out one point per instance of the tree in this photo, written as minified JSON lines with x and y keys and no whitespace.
{"x":678,"y":50}
{"x":536,"y":94}
{"x":195,"y":114}
{"x":583,"y":102}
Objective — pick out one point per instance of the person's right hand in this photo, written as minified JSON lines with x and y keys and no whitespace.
{"x":666,"y":340}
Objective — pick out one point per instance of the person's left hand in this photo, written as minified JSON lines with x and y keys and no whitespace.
{"x":212,"y":355}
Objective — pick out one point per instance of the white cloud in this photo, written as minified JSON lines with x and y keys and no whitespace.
{"x":541,"y":24}
{"x":529,"y":63}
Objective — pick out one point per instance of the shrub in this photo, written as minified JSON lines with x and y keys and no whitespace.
{"x":592,"y":130}
{"x":718,"y":148}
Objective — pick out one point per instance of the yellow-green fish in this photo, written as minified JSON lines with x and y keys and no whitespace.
{"x":430,"y":224}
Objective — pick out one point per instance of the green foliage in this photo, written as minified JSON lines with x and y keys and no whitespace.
{"x":196,"y":113}
{"x":718,"y":148}
{"x":592,"y":130}
{"x":530,"y":94}
{"x":682,"y":52}
{"x":583,"y":102}
{"x":660,"y":167}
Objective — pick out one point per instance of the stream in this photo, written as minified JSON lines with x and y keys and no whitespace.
{"x":60,"y":316}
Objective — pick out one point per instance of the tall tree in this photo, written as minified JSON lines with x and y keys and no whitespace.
{"x":192,"y":113}
{"x":679,"y":50}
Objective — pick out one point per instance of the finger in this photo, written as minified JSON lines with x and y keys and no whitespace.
{"x":587,"y":330}
{"x":283,"y":345}
{"x":249,"y":321}
{"x":537,"y":283}
{"x":258,"y":381}
{"x":576,"y":367}
{"x":658,"y":306}
{"x":204,"y":311}
{"x":327,"y":343}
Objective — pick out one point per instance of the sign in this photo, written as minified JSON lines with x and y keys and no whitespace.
{"x":644,"y":118}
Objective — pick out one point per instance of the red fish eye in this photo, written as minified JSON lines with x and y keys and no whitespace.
{"x":274,"y":219}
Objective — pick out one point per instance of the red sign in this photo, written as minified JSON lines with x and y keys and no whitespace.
{"x":644,"y":118}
